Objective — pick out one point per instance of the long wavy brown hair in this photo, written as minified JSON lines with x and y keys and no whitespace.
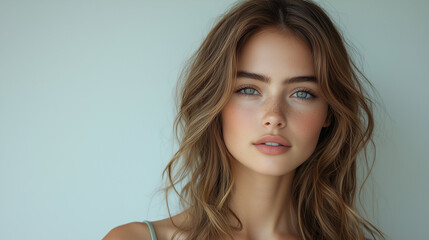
{"x":324,"y":187}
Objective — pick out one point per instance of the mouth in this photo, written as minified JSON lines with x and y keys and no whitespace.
{"x":273,"y":140}
{"x":272,"y":145}
{"x":271,"y":148}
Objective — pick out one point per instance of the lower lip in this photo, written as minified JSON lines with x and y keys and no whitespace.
{"x":271,"y":150}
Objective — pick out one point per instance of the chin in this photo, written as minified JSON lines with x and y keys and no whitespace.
{"x":276,"y":172}
{"x":271,"y":169}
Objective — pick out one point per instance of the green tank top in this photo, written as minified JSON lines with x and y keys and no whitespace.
{"x":152,"y":230}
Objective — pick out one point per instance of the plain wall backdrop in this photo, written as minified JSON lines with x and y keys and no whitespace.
{"x":86,"y":109}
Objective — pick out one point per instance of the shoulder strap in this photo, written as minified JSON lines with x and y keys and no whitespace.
{"x":152,"y":230}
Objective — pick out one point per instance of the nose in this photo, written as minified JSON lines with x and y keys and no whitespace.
{"x":274,"y":115}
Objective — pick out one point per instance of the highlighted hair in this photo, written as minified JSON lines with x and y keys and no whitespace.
{"x":324,"y":187}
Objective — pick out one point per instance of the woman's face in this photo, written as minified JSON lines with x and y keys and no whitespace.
{"x":277,"y":96}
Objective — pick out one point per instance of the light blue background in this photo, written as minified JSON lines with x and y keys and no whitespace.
{"x":86,"y":109}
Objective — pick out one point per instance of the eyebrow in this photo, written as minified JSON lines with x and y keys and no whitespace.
{"x":266,"y":79}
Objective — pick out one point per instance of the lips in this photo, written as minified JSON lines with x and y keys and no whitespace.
{"x":272,"y":150}
{"x":273,"y":139}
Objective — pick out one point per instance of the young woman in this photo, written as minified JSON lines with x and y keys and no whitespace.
{"x":272,"y":118}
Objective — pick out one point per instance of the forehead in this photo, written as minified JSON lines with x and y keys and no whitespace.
{"x":276,"y":53}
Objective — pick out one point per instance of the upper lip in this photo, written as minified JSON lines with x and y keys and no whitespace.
{"x":273,"y":139}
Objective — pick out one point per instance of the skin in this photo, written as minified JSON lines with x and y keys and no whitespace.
{"x":275,"y":108}
{"x":296,"y":111}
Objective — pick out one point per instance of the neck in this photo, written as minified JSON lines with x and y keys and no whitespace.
{"x":263,"y":204}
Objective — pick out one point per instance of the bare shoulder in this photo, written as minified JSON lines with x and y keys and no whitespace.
{"x":167,"y":228}
{"x":130,"y":231}
{"x":164,"y":229}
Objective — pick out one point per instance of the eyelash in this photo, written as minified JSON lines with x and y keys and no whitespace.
{"x":305,"y":90}
{"x":245,"y":87}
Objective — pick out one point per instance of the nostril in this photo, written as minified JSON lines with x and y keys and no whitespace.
{"x":276,"y":123}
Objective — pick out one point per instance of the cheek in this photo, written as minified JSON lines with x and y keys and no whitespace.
{"x":237,"y":119}
{"x":308,"y":124}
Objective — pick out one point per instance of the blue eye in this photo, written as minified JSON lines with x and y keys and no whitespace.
{"x":248,"y":91}
{"x":302,"y":94}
